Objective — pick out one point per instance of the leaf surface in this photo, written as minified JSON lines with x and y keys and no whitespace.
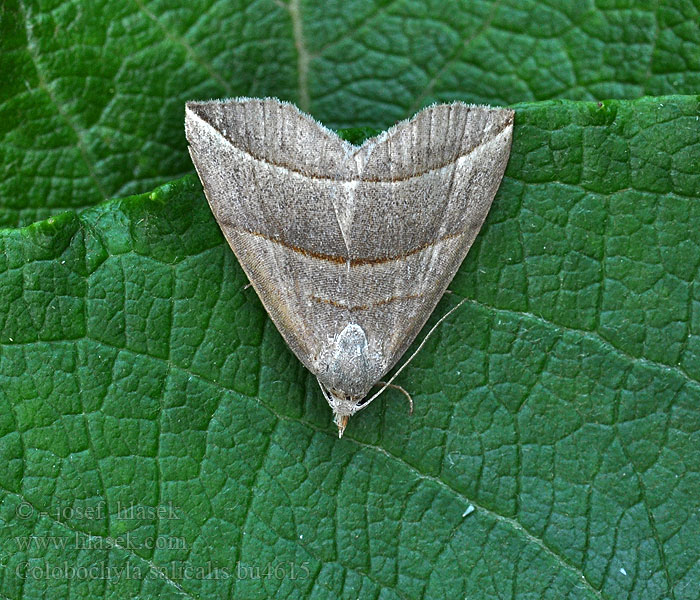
{"x":561,"y":403}
{"x":92,"y":94}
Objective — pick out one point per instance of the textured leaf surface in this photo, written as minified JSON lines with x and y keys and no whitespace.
{"x":92,"y":94}
{"x":561,"y":402}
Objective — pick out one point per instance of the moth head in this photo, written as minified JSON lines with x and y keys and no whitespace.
{"x":346,"y":370}
{"x":343,"y":408}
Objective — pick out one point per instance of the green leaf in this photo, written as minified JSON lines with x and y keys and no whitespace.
{"x":92,"y":93}
{"x":561,"y":402}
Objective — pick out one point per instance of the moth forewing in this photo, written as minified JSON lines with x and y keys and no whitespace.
{"x":348,"y":247}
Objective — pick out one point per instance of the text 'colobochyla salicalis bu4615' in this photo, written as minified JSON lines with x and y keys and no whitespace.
{"x":349,"y":247}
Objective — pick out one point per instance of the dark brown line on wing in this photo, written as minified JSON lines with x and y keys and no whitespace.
{"x":291,"y":169}
{"x":341,"y":260}
{"x":364,"y":306}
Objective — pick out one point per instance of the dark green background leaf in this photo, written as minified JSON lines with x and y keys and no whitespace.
{"x":561,"y":401}
{"x":92,"y":93}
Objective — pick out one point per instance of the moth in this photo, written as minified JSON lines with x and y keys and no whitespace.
{"x":349,"y":247}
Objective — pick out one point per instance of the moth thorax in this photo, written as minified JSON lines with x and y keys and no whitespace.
{"x":347,"y":366}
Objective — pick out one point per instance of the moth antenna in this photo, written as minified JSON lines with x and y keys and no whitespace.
{"x":403,"y":391}
{"x":416,"y":351}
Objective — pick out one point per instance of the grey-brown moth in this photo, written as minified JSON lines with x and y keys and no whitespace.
{"x":348,"y":247}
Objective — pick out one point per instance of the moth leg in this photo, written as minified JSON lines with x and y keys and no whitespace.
{"x":403,"y":391}
{"x":340,"y":420}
